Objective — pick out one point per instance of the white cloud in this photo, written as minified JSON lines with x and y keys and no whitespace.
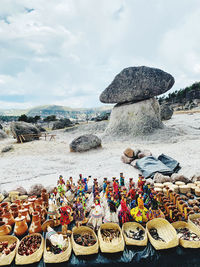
{"x":67,"y":52}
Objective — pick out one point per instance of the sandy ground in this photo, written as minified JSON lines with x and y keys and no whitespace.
{"x":43,"y":161}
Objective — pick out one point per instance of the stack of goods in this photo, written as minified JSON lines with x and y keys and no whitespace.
{"x":8,"y":246}
{"x":84,"y":241}
{"x":30,"y":249}
{"x":188,"y":236}
{"x":110,"y":238}
{"x":161,"y":234}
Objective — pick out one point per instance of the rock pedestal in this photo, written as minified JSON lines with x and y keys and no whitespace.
{"x":135,"y":119}
{"x":137,"y":111}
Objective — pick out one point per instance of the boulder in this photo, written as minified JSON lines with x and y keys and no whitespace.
{"x":129,"y":153}
{"x":85,"y":142}
{"x":135,"y":119}
{"x":166,"y":112}
{"x":7,"y":149}
{"x":179,"y":177}
{"x":1,"y":127}
{"x":36,"y":190}
{"x":27,"y":130}
{"x":160,"y":178}
{"x":61,"y":124}
{"x":137,"y":83}
{"x":3,"y":135}
{"x":21,"y":190}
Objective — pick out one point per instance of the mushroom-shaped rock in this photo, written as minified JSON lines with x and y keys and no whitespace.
{"x":137,"y":83}
{"x":85,"y":142}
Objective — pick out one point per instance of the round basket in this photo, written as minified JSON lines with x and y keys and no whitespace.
{"x":174,"y":187}
{"x":133,"y":226}
{"x":7,"y":259}
{"x":50,"y":257}
{"x":82,"y":250}
{"x":184,"y":189}
{"x":166,"y":231}
{"x":35,"y":257}
{"x":116,"y":245}
{"x":186,"y":243}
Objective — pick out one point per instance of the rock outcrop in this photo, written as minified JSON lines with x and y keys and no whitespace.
{"x":1,"y":127}
{"x":29,"y":131}
{"x":166,"y":112}
{"x":85,"y":143}
{"x":136,"y":84}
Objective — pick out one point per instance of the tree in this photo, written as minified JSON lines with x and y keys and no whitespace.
{"x":50,"y":118}
{"x":23,"y":117}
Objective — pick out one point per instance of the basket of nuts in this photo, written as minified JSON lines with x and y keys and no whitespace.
{"x":8,"y":247}
{"x":30,"y":249}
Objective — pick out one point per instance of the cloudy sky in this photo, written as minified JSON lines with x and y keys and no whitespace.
{"x":67,"y":51}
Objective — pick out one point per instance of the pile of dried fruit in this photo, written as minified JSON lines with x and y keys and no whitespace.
{"x":29,"y":245}
{"x":137,"y":235}
{"x":186,"y":234}
{"x":85,"y":239}
{"x":109,"y":234}
{"x":5,"y":248}
{"x":155,"y":235}
{"x":196,"y":221}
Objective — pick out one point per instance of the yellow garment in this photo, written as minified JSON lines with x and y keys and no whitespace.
{"x":140,"y":214}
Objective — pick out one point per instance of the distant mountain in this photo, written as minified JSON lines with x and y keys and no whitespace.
{"x":59,"y":111}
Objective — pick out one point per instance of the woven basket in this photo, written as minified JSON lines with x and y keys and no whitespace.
{"x":190,"y":221}
{"x":115,"y":245}
{"x":132,"y":226}
{"x":165,"y":231}
{"x":35,"y":257}
{"x":7,"y":259}
{"x":50,"y":257}
{"x":82,"y":250}
{"x":158,"y":185}
{"x":185,"y":243}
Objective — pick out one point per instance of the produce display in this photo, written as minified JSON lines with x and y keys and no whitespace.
{"x":186,"y":234}
{"x":29,"y":245}
{"x":137,"y":235}
{"x":109,"y":235}
{"x":85,"y":239}
{"x":5,"y":248}
{"x":155,"y":235}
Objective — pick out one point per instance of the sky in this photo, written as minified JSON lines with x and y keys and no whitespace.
{"x":66,"y":52}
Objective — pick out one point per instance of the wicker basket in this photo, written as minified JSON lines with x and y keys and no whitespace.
{"x":115,"y":245}
{"x":166,"y":184}
{"x":190,"y":221}
{"x":35,"y":257}
{"x":50,"y":257}
{"x":82,"y":250}
{"x":186,"y":243}
{"x":133,"y":226}
{"x":159,"y":185}
{"x":165,"y":231}
{"x":7,"y":259}
{"x":179,"y":183}
{"x":197,"y":191}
